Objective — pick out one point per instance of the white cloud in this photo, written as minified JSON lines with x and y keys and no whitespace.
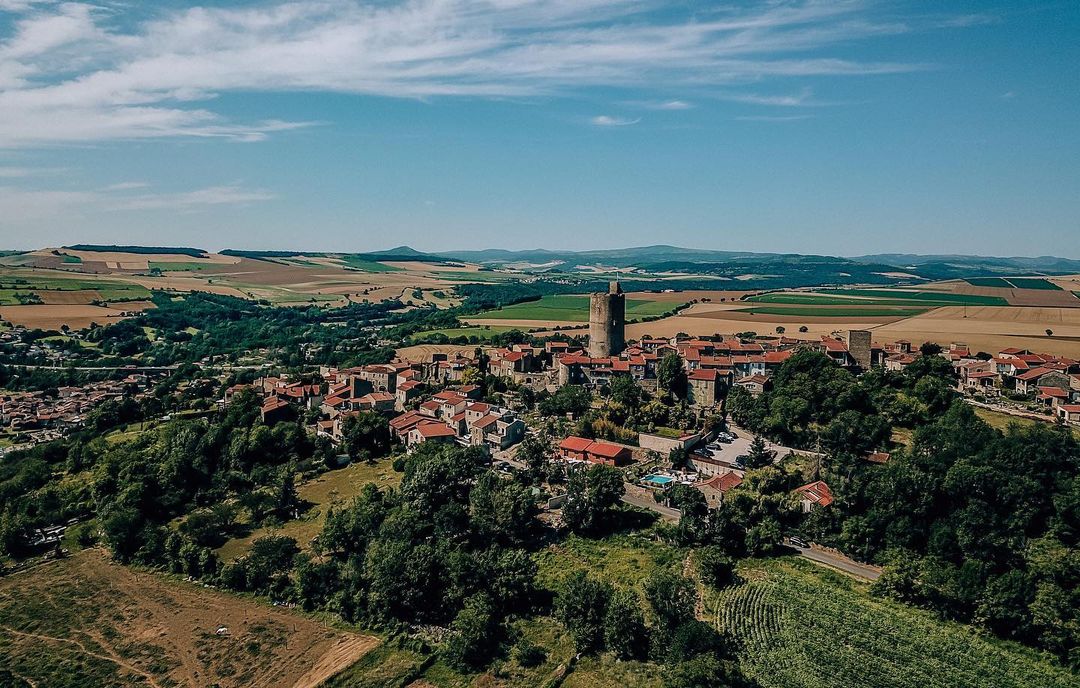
{"x":21,"y":204}
{"x":76,"y":72}
{"x":609,"y":121}
{"x":772,"y":118}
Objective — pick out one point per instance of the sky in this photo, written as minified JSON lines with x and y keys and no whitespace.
{"x":840,"y":127}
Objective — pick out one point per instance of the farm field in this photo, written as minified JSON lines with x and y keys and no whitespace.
{"x":53,"y":317}
{"x":992,"y":328}
{"x":572,"y":309}
{"x":85,"y":621}
{"x":879,"y":297}
{"x":831,"y":311}
{"x":337,"y":486}
{"x":803,"y":626}
{"x":1013,"y":283}
{"x":482,"y":332}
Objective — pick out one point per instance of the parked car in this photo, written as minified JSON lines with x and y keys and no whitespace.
{"x":798,"y":541}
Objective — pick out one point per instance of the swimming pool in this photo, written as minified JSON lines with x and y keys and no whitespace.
{"x":658,"y":479}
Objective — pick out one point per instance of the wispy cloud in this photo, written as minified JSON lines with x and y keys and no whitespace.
{"x":78,"y":72}
{"x":772,"y":118}
{"x":19,"y":204}
{"x":609,"y":121}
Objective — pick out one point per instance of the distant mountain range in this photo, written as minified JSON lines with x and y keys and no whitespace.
{"x":802,"y":268}
{"x":673,"y":258}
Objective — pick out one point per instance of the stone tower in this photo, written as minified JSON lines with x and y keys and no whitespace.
{"x":607,"y":322}
{"x":858,"y":344}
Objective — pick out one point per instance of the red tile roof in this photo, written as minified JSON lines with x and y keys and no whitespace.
{"x":816,"y":493}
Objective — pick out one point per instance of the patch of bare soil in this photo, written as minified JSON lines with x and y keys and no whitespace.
{"x":111,"y":625}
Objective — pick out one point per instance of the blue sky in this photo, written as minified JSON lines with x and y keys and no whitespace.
{"x":840,"y":127}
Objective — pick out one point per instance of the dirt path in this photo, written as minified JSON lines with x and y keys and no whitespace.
{"x":68,"y":641}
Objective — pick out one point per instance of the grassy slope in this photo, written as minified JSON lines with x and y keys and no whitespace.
{"x":337,"y":486}
{"x":1034,"y":283}
{"x":366,"y":265}
{"x":804,"y":626}
{"x":1002,"y":421}
{"x":995,"y":282}
{"x":573,"y":309}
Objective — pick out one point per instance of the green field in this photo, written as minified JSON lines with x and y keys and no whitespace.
{"x":574,"y":309}
{"x":165,"y":266}
{"x":108,"y":290}
{"x":1013,"y":283}
{"x":878,"y":297}
{"x":1034,"y":283}
{"x":995,"y":282}
{"x":484,"y":332}
{"x":836,"y":311}
{"x":367,"y":265}
{"x":802,"y":626}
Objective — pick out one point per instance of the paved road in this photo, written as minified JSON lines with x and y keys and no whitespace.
{"x":633,"y":498}
{"x":839,"y":561}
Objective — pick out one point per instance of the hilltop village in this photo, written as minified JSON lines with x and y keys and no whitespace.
{"x":416,"y":486}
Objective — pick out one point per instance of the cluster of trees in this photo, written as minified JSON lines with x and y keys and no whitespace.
{"x":135,"y":488}
{"x":449,"y":548}
{"x":815,"y":403}
{"x":599,"y":616}
{"x":979,"y":525}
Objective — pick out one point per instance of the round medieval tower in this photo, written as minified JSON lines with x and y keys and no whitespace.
{"x":607,"y":322}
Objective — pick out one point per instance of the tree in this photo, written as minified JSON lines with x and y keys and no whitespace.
{"x":568,"y":399}
{"x":1049,"y":332}
{"x":758,"y":455}
{"x":672,"y":598}
{"x":716,"y":569}
{"x":704,"y":671}
{"x":366,"y":436}
{"x":624,"y":626}
{"x":591,"y":494}
{"x":582,"y":607}
{"x":671,"y":375}
{"x":780,"y":329}
{"x":473,"y":635}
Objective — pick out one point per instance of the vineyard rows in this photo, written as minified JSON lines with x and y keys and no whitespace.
{"x":799,"y":626}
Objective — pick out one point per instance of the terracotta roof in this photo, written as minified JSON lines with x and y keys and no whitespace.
{"x":1054,"y":392}
{"x":485,"y":421}
{"x":1070,"y":408}
{"x":705,"y":374}
{"x":878,"y":457}
{"x":431,"y":429}
{"x":605,"y":449}
{"x":817,"y":493}
{"x":575,"y":444}
{"x":723,"y":483}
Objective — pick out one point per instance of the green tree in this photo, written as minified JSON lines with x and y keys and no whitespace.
{"x":758,"y":454}
{"x":591,"y":495}
{"x":473,"y":635}
{"x":714,"y":566}
{"x":624,"y":626}
{"x":671,"y":375}
{"x":582,"y":606}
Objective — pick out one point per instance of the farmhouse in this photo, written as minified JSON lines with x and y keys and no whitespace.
{"x":717,"y":486}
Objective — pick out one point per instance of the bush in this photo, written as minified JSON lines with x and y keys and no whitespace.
{"x":529,"y":654}
{"x":716,"y":568}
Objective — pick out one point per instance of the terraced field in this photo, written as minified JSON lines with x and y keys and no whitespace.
{"x":801,"y":626}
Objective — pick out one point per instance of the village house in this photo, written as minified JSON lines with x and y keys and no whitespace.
{"x":814,"y":495}
{"x":717,"y":486}
{"x":704,"y":387}
{"x":581,"y":449}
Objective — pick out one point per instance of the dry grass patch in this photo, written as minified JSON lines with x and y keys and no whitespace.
{"x":85,"y":621}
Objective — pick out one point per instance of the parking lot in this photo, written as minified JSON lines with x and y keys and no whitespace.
{"x":740,"y":446}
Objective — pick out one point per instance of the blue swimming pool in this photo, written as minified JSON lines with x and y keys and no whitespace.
{"x":658,"y":479}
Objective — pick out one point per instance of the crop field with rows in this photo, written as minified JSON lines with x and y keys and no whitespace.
{"x":803,"y":626}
